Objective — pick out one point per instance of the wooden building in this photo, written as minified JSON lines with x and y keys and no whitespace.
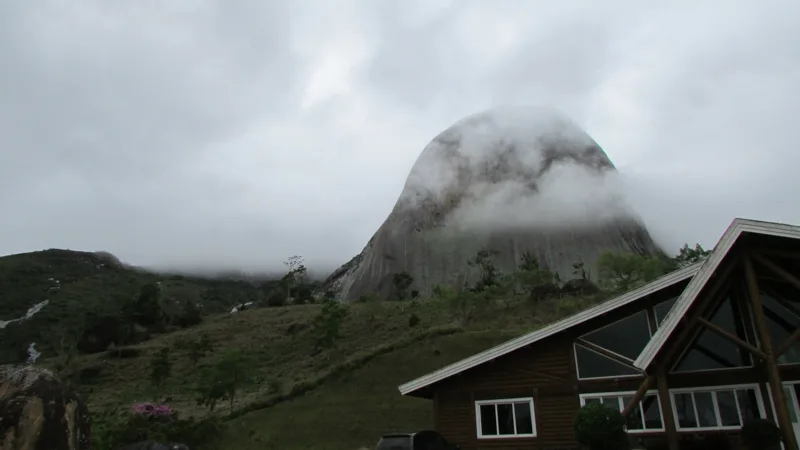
{"x":694,"y":353}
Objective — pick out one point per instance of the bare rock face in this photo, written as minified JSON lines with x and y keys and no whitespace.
{"x":39,"y":412}
{"x":511,"y":180}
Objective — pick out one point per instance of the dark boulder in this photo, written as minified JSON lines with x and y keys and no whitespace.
{"x":39,"y":412}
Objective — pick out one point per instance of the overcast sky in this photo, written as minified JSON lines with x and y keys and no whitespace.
{"x":236,"y":133}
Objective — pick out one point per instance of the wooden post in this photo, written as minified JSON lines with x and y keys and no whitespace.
{"x":666,"y":410}
{"x":773,"y":375}
{"x":638,"y":396}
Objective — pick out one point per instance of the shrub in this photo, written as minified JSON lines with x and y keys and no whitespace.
{"x":151,"y":422}
{"x":601,"y":428}
{"x":413,"y":320}
{"x":761,"y":434}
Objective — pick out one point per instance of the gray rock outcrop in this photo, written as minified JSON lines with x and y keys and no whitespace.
{"x":512,"y":180}
{"x":39,"y":412}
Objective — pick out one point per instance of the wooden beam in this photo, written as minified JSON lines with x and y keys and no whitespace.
{"x":778,"y":270}
{"x":785,"y":345}
{"x":607,"y":353}
{"x":667,"y":415}
{"x":780,"y":253}
{"x":792,"y":309}
{"x":731,"y":337}
{"x":773,"y":374}
{"x":638,"y":396}
{"x":691,"y":323}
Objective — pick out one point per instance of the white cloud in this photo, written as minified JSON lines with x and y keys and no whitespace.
{"x":236,"y":134}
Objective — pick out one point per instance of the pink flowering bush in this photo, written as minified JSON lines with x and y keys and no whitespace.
{"x":149,"y":421}
{"x":150,"y":409}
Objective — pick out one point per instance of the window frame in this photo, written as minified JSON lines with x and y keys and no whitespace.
{"x":575,"y":344}
{"x":504,"y":401}
{"x":619,"y":395}
{"x":696,"y":336}
{"x":713,"y":390}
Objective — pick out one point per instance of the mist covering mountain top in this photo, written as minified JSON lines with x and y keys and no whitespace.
{"x":511,"y":179}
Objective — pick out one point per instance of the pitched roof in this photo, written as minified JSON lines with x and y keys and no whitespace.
{"x":557,"y":327}
{"x":709,"y":266}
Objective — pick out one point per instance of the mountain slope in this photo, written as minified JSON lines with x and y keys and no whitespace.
{"x":510,"y":180}
{"x":79,"y":285}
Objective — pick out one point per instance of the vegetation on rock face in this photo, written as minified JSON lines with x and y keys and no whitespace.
{"x":277,"y":370}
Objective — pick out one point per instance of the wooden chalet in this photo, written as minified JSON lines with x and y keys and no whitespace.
{"x":695,"y":352}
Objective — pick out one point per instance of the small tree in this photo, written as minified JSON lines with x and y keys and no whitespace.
{"x":160,"y":367}
{"x":199,"y":348}
{"x":402,"y":281}
{"x":620,"y":272}
{"x":145,"y":309}
{"x":328,"y":324}
{"x":687,"y":256}
{"x":488,"y":272}
{"x":462,"y":305}
{"x":537,"y":282}
{"x":223,"y":381}
{"x":599,"y":427}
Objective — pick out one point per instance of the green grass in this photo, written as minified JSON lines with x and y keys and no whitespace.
{"x":343,"y":398}
{"x":76,"y":283}
{"x":353,"y":410}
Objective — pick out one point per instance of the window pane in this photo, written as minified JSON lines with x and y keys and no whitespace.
{"x":635,"y":418}
{"x":522,"y":414}
{"x":728,"y":411}
{"x":611,"y":402}
{"x":748,"y":404}
{"x":684,"y":408}
{"x":662,"y":309}
{"x":595,"y":365}
{"x":505,"y":419}
{"x":627,"y":337}
{"x":706,"y":417}
{"x":652,"y":414}
{"x":587,"y":401}
{"x":787,"y":395}
{"x":712,"y":351}
{"x":781,"y":323}
{"x":488,"y":424}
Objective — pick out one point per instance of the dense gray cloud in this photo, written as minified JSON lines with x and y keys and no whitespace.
{"x":237,"y":133}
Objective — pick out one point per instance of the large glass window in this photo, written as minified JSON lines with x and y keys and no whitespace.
{"x":710,"y":351}
{"x":716,"y":408}
{"x":594,"y":365}
{"x":646,"y":416}
{"x":626,"y":337}
{"x":662,"y":309}
{"x":781,"y":323}
{"x":505,"y":418}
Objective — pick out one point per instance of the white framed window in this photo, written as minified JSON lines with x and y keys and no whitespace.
{"x":646,"y":417}
{"x":505,"y":418}
{"x":717,"y":407}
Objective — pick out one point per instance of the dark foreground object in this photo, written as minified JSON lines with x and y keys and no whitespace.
{"x":422,"y":440}
{"x":39,"y":412}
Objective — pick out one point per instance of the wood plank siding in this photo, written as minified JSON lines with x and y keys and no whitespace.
{"x":545,"y":371}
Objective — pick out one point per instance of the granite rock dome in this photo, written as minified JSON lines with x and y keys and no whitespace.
{"x":512,"y":180}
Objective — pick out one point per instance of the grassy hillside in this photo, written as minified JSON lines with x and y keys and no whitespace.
{"x":78,"y":284}
{"x":339,"y":398}
{"x":309,"y":384}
